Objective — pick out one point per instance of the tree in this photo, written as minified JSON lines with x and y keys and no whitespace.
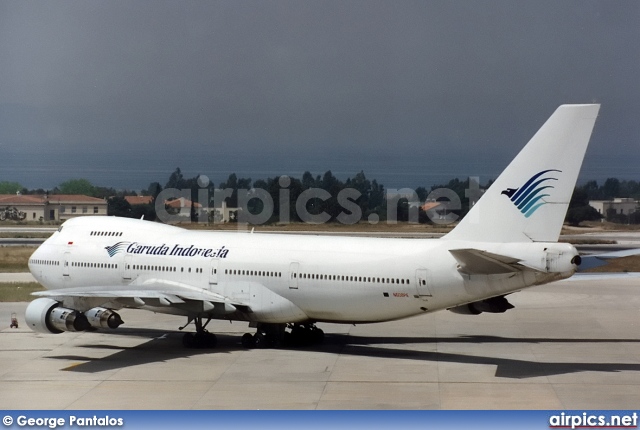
{"x":460,"y":188}
{"x":611,"y":188}
{"x":578,"y":214}
{"x":592,"y":190}
{"x":118,"y":206}
{"x":377,"y":200}
{"x":234,"y":183}
{"x":175,"y":180}
{"x":154,"y":189}
{"x":106,"y":192}
{"x":146,"y":211}
{"x":579,"y":208}
{"x":307,"y":180}
{"x":77,"y":186}
{"x":9,"y":187}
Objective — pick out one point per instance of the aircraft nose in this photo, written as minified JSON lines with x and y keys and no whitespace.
{"x":32,"y":260}
{"x":36,"y":261}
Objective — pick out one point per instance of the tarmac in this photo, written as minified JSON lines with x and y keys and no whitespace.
{"x":17,"y":277}
{"x":569,"y":345}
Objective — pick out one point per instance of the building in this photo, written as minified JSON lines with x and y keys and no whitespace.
{"x":223,"y":213}
{"x":139,"y":200}
{"x":621,"y":206}
{"x":56,"y":207}
{"x":182,"y":207}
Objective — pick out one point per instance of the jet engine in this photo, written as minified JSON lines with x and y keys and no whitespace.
{"x":494,"y":305}
{"x":48,"y":316}
{"x":103,"y":318}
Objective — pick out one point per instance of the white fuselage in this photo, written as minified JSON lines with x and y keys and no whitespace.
{"x":280,"y":277}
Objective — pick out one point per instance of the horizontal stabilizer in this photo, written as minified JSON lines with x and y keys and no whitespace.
{"x":478,"y":262}
{"x":604,"y":276}
{"x":596,"y":260}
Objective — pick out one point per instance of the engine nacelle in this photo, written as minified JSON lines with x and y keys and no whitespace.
{"x":494,"y":305}
{"x":47,"y":316}
{"x":103,"y":318}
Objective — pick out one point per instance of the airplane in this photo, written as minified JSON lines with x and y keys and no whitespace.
{"x":284,"y":284}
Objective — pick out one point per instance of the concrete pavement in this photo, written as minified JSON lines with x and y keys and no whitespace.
{"x":571,"y":345}
{"x":17,"y":277}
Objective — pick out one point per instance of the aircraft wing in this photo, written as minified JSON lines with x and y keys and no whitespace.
{"x":154,"y":292}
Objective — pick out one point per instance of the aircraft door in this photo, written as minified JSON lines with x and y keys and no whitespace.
{"x":423,"y":284}
{"x":65,"y":264}
{"x":126,"y":270}
{"x":294,"y":269}
{"x":214,"y":266}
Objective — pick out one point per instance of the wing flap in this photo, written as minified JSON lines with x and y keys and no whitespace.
{"x":154,"y":292}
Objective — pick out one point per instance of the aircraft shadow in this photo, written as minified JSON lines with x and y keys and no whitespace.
{"x":506,"y":367}
{"x":164,"y":346}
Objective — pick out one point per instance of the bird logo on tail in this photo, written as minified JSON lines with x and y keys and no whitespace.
{"x":529,"y":197}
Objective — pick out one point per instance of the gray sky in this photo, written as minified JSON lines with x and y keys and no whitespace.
{"x":133,"y":89}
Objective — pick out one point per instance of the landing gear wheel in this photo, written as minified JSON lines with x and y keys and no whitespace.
{"x":202,"y":338}
{"x":304,"y":335}
{"x":188,"y":340}
{"x":212,"y":340}
{"x":317,"y":335}
{"x":207,"y":340}
{"x":248,"y":341}
{"x":260,"y":341}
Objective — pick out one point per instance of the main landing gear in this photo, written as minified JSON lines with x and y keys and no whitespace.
{"x":266,"y":336}
{"x":275,"y":335}
{"x":201,"y":338}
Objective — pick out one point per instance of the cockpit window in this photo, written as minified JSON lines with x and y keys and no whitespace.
{"x":60,"y":229}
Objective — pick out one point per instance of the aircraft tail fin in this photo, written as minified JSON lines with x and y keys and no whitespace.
{"x":529,"y":200}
